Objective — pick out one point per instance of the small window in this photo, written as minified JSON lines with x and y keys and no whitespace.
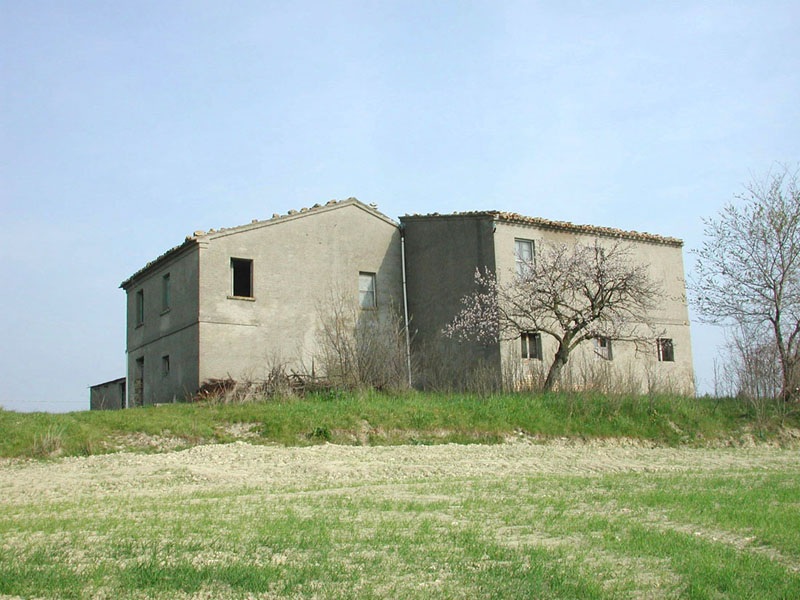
{"x":602,"y":347}
{"x":242,"y":275}
{"x":165,"y":365}
{"x":531,"y":345}
{"x":666,"y":351}
{"x":523,"y":256}
{"x":366,"y":290}
{"x":166,"y":293}
{"x":140,"y":307}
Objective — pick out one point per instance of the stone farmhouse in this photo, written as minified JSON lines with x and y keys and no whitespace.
{"x":226,"y":302}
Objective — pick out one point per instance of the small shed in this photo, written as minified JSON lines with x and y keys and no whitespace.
{"x":107,"y":396}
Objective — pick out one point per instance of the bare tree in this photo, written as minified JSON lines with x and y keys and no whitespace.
{"x":570,"y":293}
{"x":748,"y":269}
{"x":358,"y":347}
{"x":753,"y":364}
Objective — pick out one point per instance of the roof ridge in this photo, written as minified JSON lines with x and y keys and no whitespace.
{"x":199,"y":234}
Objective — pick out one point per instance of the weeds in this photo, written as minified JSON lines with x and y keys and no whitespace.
{"x":48,"y":442}
{"x":442,"y":417}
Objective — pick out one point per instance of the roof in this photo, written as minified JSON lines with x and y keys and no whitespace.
{"x":117,"y":380}
{"x":198,"y":236}
{"x":510,"y":217}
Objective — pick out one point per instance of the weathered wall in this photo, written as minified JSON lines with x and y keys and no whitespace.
{"x":300,"y":262}
{"x":107,"y":396}
{"x":441,"y":256}
{"x":303,"y":261}
{"x":632,"y":366}
{"x":172,"y":332}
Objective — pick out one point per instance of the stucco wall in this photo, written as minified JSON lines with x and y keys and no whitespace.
{"x":172,"y":332}
{"x":441,"y":256}
{"x":299,"y":263}
{"x":633,"y":366}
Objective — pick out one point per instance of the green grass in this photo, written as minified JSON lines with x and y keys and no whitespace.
{"x":624,"y":535}
{"x":376,"y":418}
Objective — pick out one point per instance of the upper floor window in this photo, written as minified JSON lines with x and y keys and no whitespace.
{"x":531,"y":344}
{"x":140,"y":307}
{"x":242,"y":277}
{"x":666,"y":351}
{"x":602,"y":347}
{"x":366,"y":290}
{"x":166,"y":293}
{"x":523,"y":256}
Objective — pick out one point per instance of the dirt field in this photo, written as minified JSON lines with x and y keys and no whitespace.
{"x":214,"y":467}
{"x":519,"y":519}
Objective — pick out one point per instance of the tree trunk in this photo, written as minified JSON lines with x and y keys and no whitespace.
{"x":560,"y":359}
{"x":790,"y":392}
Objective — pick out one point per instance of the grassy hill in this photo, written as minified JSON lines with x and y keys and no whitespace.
{"x":372,"y":418}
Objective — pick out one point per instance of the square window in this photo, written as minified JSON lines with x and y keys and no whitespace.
{"x":602,"y":347}
{"x":242,"y":277}
{"x":523,"y":256}
{"x":166,"y":293}
{"x":165,"y":365}
{"x":531,"y":345}
{"x":140,"y":307}
{"x":366,"y":290}
{"x":666,"y":351}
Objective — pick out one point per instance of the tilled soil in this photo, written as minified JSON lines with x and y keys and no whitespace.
{"x":226,"y":466}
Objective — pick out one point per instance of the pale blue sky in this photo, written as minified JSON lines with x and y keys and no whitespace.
{"x":125,"y":126}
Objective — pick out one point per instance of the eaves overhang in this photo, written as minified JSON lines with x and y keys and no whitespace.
{"x":199,"y":237}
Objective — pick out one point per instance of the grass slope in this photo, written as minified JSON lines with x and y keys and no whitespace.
{"x":378,"y":419}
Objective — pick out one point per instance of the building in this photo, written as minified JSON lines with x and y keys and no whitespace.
{"x":107,"y":396}
{"x":443,"y":251}
{"x":229,"y":303}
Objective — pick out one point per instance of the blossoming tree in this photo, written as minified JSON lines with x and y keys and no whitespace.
{"x":571,"y":293}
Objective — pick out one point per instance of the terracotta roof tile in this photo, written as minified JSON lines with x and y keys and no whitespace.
{"x":511,"y":217}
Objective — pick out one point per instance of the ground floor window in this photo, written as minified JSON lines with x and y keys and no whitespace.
{"x":666,"y":351}
{"x":602,"y":347}
{"x":531,"y":345}
{"x":138,"y":383}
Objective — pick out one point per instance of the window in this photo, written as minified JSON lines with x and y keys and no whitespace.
{"x":523,"y":256}
{"x":242,"y":276}
{"x":165,"y":365}
{"x":366,"y":290}
{"x":139,"y":307}
{"x":531,"y":345}
{"x":166,"y":293}
{"x":602,"y":347}
{"x":666,"y":351}
{"x":138,"y":383}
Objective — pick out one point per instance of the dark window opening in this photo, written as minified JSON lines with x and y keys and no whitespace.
{"x":165,"y":365}
{"x":531,"y":345}
{"x":140,"y":307}
{"x":242,"y":269}
{"x":666,"y":351}
{"x":166,"y":292}
{"x":138,"y":383}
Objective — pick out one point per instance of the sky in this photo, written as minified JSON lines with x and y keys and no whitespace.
{"x":125,"y":126}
